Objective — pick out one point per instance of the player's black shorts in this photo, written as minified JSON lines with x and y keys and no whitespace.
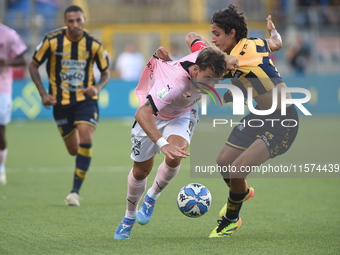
{"x":68,"y":116}
{"x":276,"y":130}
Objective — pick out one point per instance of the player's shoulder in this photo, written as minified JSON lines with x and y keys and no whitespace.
{"x":55,"y":33}
{"x":6,"y":28}
{"x":91,"y":37}
{"x":256,"y":44}
{"x":256,"y":41}
{"x":8,"y":31}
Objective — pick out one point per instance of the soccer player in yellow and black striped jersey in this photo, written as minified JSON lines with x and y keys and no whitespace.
{"x":71,"y":53}
{"x":248,"y":145}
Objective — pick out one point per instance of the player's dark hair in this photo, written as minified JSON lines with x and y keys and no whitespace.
{"x":73,"y":8}
{"x":229,"y":19}
{"x":213,"y":58}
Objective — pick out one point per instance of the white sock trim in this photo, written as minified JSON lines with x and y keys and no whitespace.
{"x":131,"y":215}
{"x":151,"y":193}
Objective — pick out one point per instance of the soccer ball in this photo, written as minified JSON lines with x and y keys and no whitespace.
{"x":194,"y":200}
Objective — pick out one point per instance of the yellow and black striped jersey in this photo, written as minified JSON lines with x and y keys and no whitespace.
{"x":70,"y":64}
{"x":256,"y":68}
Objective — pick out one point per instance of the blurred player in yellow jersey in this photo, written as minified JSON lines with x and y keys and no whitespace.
{"x":71,"y":52}
{"x":246,"y":145}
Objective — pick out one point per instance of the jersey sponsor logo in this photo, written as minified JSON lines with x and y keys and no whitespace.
{"x":149,"y":65}
{"x":73,"y":77}
{"x":163,"y":93}
{"x":237,"y":74}
{"x":71,"y":63}
{"x":61,"y":53}
{"x":264,"y":138}
{"x":191,"y":125}
{"x":240,"y":127}
{"x":93,"y":121}
{"x":61,"y":122}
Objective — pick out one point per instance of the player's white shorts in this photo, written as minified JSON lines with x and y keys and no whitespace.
{"x":143,"y":148}
{"x":5,"y":109}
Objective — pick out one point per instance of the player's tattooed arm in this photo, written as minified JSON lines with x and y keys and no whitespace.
{"x":46,"y":98}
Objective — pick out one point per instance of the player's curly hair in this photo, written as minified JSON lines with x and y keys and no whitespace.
{"x":229,"y":18}
{"x":213,"y":58}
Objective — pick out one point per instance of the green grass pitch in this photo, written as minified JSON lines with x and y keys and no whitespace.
{"x":286,"y":216}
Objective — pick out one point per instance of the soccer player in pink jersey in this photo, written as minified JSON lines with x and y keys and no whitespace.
{"x":165,"y":122}
{"x":12,"y":51}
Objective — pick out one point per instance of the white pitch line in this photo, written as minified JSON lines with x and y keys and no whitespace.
{"x":64,"y":169}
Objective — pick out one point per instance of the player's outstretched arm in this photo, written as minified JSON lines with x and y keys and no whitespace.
{"x":94,"y":90}
{"x":144,"y":116}
{"x":46,"y":98}
{"x":275,"y":41}
{"x":192,"y":36}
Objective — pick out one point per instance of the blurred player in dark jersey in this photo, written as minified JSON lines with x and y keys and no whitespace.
{"x":71,"y":52}
{"x":246,"y":145}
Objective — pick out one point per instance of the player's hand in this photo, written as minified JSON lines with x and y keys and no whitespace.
{"x":90,"y":91}
{"x":173,"y":151}
{"x":232,"y":62}
{"x":47,"y":100}
{"x":163,"y":54}
{"x":270,"y":25}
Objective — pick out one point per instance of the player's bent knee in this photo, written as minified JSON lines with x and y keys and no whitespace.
{"x":140,"y":173}
{"x":222,"y":161}
{"x":172,"y":162}
{"x":72,"y":150}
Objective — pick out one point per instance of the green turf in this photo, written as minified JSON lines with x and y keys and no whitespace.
{"x":286,"y":216}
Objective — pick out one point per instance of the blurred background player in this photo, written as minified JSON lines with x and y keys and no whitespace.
{"x":130,"y":63}
{"x":246,"y":145}
{"x":12,"y":53}
{"x":299,"y":54}
{"x":175,"y":52}
{"x":70,"y":54}
{"x":165,"y":122}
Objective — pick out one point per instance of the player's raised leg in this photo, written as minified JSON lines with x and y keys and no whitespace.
{"x":226,"y":157}
{"x":136,"y":187}
{"x":255,"y":155}
{"x":167,"y":170}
